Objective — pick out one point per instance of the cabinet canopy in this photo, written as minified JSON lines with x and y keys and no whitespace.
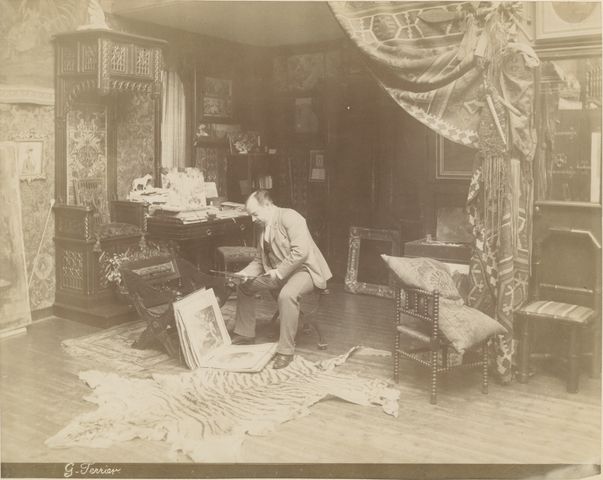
{"x":104,"y":61}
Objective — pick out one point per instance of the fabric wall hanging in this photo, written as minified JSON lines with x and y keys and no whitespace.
{"x":458,"y":68}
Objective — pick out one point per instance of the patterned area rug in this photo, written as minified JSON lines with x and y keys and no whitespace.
{"x":111,"y":349}
{"x":206,"y":413}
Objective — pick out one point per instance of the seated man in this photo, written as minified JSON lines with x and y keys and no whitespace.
{"x":287,"y":261}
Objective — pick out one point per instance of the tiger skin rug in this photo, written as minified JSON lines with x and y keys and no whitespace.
{"x":206,"y":413}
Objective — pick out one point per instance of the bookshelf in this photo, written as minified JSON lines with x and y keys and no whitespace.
{"x":250,"y":171}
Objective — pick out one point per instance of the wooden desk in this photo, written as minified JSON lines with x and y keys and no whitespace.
{"x":197,"y":241}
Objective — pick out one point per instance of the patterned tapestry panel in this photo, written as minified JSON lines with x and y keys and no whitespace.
{"x":212,"y":162}
{"x":26,"y":27}
{"x":134,"y":141}
{"x":422,"y":55}
{"x":86,"y":146}
{"x":304,"y":72}
{"x":22,"y":122}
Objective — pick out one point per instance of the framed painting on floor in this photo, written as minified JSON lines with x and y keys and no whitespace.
{"x":366,"y":271}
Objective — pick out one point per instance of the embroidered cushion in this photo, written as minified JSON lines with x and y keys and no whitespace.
{"x":465,"y":327}
{"x":559,"y":311}
{"x":424,"y":273}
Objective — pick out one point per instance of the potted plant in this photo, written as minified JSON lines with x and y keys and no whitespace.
{"x":111,"y":263}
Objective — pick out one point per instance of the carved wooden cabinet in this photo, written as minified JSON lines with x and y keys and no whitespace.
{"x":95,"y":70}
{"x":93,"y":66}
{"x":82,"y":290}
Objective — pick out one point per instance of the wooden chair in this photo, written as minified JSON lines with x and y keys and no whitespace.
{"x":566,"y":292}
{"x":90,"y":192}
{"x":153,"y":284}
{"x":104,"y":226}
{"x":417,"y":318}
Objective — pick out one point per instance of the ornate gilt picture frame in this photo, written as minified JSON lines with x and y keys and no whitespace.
{"x":357,"y":235}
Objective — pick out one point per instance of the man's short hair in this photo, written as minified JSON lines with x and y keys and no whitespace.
{"x":262,"y":197}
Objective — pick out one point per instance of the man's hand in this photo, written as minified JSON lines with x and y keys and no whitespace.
{"x":241,"y":277}
{"x":273,"y":274}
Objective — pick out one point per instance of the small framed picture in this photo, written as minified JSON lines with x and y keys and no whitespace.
{"x":215,"y":107}
{"x":213,"y":99}
{"x":318,"y":168}
{"x":217,"y":87}
{"x":30,"y":159}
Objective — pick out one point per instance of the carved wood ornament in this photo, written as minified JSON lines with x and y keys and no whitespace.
{"x":102,"y":62}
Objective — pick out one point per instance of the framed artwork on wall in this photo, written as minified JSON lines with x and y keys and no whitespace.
{"x":318,"y":168}
{"x":213,"y":101}
{"x":566,"y":20}
{"x":453,"y":161}
{"x":30,"y":159}
{"x":217,"y":98}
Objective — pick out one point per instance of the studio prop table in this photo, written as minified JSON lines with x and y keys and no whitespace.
{"x":197,"y":241}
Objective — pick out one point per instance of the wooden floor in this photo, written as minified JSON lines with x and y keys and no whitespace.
{"x":534,"y":423}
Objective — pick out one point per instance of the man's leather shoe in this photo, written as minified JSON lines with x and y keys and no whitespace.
{"x":281,"y":361}
{"x":242,"y":340}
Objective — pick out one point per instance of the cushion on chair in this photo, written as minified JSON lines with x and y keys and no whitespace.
{"x":465,"y":327}
{"x":565,"y":312}
{"x":424,"y":273}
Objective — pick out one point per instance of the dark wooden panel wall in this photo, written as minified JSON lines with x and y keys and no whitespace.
{"x":379,"y":160}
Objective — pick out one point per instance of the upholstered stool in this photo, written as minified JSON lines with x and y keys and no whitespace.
{"x":232,"y":259}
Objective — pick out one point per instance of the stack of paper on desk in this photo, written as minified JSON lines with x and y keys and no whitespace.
{"x":205,"y":342}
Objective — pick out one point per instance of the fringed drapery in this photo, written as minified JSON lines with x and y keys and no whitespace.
{"x":456,"y":68}
{"x":423,"y":56}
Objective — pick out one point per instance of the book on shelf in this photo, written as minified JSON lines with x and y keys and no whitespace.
{"x":205,"y":342}
{"x":265,"y":182}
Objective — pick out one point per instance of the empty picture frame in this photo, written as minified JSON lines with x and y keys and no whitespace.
{"x":366,"y":271}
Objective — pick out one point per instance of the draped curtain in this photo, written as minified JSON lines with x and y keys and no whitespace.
{"x":173,"y":122}
{"x":456,"y":67}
